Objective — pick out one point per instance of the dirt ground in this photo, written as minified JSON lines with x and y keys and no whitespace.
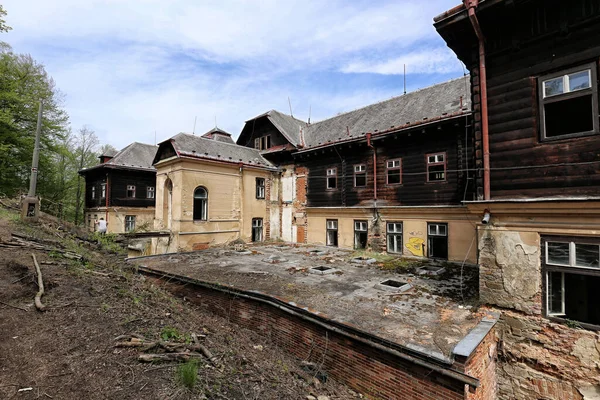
{"x":68,"y":352}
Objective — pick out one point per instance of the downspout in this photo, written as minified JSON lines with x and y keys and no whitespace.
{"x":471,"y":5}
{"x":374,"y":167}
{"x":241,"y":223}
{"x":107,"y":195}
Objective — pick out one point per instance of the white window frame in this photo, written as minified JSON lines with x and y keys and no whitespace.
{"x":130,"y":223}
{"x":393,"y":165}
{"x":130,"y":188}
{"x":263,"y":142}
{"x":331,"y":225}
{"x":395,"y":233}
{"x":331,"y":173}
{"x":438,"y":159}
{"x":360,"y":169}
{"x":150,"y":192}
{"x":260,"y":188}
{"x":103,"y":190}
{"x":569,"y":94}
{"x":572,"y":255}
{"x":93,"y":191}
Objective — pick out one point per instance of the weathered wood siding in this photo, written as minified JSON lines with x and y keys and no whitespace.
{"x":526,"y":40}
{"x":414,"y":190}
{"x":94,"y":179}
{"x":119,"y":179}
{"x":261,"y":127}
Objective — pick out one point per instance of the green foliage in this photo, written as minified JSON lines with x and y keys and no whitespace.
{"x":108,"y":242}
{"x":169,"y":333}
{"x":187,"y":373}
{"x":3,"y":26}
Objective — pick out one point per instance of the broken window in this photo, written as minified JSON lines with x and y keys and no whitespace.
{"x":572,"y":277}
{"x":394,"y":237}
{"x":94,"y":192}
{"x":332,"y":232}
{"x":262,"y":143}
{"x":260,"y":188}
{"x":129,"y":223}
{"x":360,"y":175}
{"x":150,"y":192}
{"x":569,"y":103}
{"x":394,"y":172}
{"x":103,"y":190}
{"x":360,"y":234}
{"x":131,"y":191}
{"x":200,"y":204}
{"x":436,"y":167}
{"x":437,"y":240}
{"x":257,"y":229}
{"x":332,"y":178}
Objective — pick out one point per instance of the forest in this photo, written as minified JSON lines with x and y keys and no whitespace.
{"x":64,"y":150}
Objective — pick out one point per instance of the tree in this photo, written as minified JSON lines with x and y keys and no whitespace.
{"x":87,"y":142}
{"x":3,"y":26}
{"x":107,"y":149}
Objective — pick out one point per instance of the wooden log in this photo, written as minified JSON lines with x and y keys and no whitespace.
{"x":168,"y":357}
{"x":40,"y":293}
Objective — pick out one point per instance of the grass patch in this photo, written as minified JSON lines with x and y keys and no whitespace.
{"x":108,"y":242}
{"x":388,"y":262}
{"x":169,"y":333}
{"x":187,"y":374}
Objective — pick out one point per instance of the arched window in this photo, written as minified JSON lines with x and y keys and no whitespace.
{"x":200,"y":204}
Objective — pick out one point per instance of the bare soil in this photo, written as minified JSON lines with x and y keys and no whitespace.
{"x":68,"y":351}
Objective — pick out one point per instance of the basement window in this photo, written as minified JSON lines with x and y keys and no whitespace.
{"x":131,"y":191}
{"x":360,"y":175}
{"x":331,"y":178}
{"x":360,"y":234}
{"x":260,"y":188}
{"x":571,"y":268}
{"x":262,"y":143}
{"x":436,"y":167}
{"x":394,"y":237}
{"x":332,"y":232}
{"x":394,"y":172}
{"x":569,"y":103}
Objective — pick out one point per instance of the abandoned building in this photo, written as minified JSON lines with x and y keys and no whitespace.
{"x":496,"y":171}
{"x":121,"y":189}
{"x":534,"y":78}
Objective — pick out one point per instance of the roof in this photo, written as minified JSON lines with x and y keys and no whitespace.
{"x":218,"y":135}
{"x":109,"y":153}
{"x":200,"y":147}
{"x":437,"y":102}
{"x":137,"y":156}
{"x":428,"y":317}
{"x":287,"y":125}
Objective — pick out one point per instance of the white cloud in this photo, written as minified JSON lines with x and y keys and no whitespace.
{"x":425,"y":61}
{"x":130,"y":67}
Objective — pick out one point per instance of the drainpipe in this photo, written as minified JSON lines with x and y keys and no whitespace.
{"x":471,"y":5}
{"x":107,"y":194}
{"x":374,"y":167}
{"x":241,"y":220}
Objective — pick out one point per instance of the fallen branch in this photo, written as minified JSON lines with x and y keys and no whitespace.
{"x":10,"y":305}
{"x":168,"y":357}
{"x":40,"y":293}
{"x":204,"y":350}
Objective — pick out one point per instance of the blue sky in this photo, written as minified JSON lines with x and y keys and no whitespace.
{"x":128,"y":68}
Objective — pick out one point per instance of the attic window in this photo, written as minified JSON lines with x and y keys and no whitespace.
{"x":263,"y":142}
{"x":569,"y":103}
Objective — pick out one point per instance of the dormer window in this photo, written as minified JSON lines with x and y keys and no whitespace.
{"x":569,"y":103}
{"x":262,"y":143}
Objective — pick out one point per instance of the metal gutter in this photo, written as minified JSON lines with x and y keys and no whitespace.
{"x":407,"y":354}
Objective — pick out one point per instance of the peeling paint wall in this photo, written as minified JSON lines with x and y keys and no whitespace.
{"x":144,"y":218}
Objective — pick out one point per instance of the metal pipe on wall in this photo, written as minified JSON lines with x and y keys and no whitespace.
{"x":374,"y":165}
{"x":471,"y":5}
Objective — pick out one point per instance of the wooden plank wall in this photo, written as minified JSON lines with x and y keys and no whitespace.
{"x":119,"y":179}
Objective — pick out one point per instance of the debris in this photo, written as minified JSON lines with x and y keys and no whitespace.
{"x":40,"y":293}
{"x":258,"y":347}
{"x":25,"y":389}
{"x":10,"y":305}
{"x":168,"y":357}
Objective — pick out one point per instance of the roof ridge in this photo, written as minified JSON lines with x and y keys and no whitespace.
{"x":216,"y":141}
{"x":390,"y":99}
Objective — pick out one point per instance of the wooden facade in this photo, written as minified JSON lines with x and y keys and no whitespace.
{"x":116,"y":190}
{"x":412,"y":149}
{"x":545,"y":37}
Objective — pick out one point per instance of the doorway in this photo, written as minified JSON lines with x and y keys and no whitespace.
{"x":360,"y":234}
{"x":437,"y":240}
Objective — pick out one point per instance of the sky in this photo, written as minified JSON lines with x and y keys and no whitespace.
{"x":135,"y":69}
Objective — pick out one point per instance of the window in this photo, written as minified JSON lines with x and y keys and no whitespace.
{"x":94,"y":192}
{"x":394,"y":172}
{"x":129,"y":223}
{"x":150,"y":192}
{"x":200,"y":204}
{"x":360,"y":234}
{"x":332,"y":232}
{"x":569,"y":103}
{"x":360,"y":175}
{"x":394,"y":237}
{"x":262,"y":143}
{"x":260,"y":188}
{"x":131,"y":191}
{"x":571,"y":269}
{"x":103,"y":190}
{"x":332,"y":178}
{"x":257,"y":229}
{"x":437,"y":240}
{"x":436,"y":167}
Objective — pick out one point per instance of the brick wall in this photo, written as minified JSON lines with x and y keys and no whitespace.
{"x":482,"y":364}
{"x":371,"y":371}
{"x":300,"y":204}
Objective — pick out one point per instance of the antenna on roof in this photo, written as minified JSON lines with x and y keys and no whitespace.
{"x":216,"y":121}
{"x":194,"y":130}
{"x":404,"y":78}
{"x":155,"y":137}
{"x":309,"y":110}
{"x":290,"y":103}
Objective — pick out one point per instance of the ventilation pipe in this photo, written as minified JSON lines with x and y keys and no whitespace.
{"x":471,"y":5}
{"x":374,"y":166}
